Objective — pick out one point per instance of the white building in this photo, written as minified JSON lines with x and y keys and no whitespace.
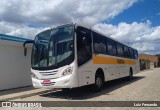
{"x":14,"y":66}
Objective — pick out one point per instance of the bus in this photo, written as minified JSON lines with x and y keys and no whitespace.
{"x":72,"y":55}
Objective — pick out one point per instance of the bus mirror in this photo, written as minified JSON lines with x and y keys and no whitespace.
{"x":25,"y":51}
{"x":24,"y":45}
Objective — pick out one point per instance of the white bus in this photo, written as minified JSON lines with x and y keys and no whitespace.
{"x":72,"y":55}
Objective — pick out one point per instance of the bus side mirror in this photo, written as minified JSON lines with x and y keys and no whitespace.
{"x":24,"y":45}
{"x":25,"y":51}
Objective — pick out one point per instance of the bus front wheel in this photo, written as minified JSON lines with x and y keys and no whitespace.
{"x":99,"y":82}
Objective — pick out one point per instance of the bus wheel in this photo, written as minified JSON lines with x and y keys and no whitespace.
{"x":99,"y":82}
{"x":130,"y":74}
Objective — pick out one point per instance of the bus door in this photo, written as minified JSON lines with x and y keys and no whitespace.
{"x":84,"y":55}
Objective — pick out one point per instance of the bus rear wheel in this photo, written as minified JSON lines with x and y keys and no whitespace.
{"x":130,"y":74}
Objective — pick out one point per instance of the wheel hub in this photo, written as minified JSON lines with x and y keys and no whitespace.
{"x":99,"y":82}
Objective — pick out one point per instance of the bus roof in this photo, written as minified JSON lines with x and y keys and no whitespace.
{"x":85,"y":26}
{"x":104,"y":35}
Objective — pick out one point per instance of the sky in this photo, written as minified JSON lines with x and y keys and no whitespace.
{"x":133,"y":22}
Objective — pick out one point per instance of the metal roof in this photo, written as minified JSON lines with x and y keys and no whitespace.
{"x":12,"y":38}
{"x":151,"y":58}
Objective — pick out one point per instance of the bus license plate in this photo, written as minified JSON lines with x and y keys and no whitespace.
{"x":46,"y":82}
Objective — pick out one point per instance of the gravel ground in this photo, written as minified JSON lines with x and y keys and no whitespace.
{"x":143,"y":87}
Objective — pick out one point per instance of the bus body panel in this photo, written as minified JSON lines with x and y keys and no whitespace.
{"x":87,"y":71}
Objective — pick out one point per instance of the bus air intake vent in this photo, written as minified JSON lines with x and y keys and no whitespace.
{"x":47,"y":73}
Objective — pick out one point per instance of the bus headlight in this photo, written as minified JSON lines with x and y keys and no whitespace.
{"x":67,"y":71}
{"x":34,"y":76}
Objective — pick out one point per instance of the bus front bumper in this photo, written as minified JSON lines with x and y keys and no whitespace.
{"x":63,"y":82}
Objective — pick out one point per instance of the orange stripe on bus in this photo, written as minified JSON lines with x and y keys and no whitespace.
{"x":108,"y":60}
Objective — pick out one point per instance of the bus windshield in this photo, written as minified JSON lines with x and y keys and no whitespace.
{"x":53,"y":48}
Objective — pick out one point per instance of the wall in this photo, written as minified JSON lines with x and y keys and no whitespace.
{"x":144,"y":64}
{"x":14,"y":66}
{"x":151,"y":65}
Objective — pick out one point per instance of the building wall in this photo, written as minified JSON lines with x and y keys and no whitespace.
{"x":14,"y":66}
{"x":148,"y":61}
{"x":144,"y":64}
{"x":151,"y":65}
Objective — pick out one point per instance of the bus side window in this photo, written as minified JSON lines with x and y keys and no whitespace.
{"x":126,"y":52}
{"x":136,"y":54}
{"x":120,"y":50}
{"x":111,"y":46}
{"x":99,"y":43}
{"x":131,"y":53}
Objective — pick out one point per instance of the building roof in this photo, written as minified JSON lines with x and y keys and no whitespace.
{"x":12,"y":38}
{"x":151,"y":58}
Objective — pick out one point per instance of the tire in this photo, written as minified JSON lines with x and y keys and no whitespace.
{"x":99,"y":82}
{"x":130,"y":77}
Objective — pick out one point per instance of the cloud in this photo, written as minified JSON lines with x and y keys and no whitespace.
{"x":48,"y":12}
{"x":25,"y":18}
{"x":19,"y":30}
{"x":138,"y":35}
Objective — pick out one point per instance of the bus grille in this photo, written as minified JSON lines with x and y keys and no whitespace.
{"x":48,"y":73}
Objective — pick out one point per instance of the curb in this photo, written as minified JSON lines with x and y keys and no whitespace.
{"x":26,"y":95}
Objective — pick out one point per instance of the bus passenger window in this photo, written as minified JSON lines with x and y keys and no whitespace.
{"x":135,"y":54}
{"x":131,"y":53}
{"x":111,"y":45}
{"x":99,"y":43}
{"x":119,"y":50}
{"x":126,"y":52}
